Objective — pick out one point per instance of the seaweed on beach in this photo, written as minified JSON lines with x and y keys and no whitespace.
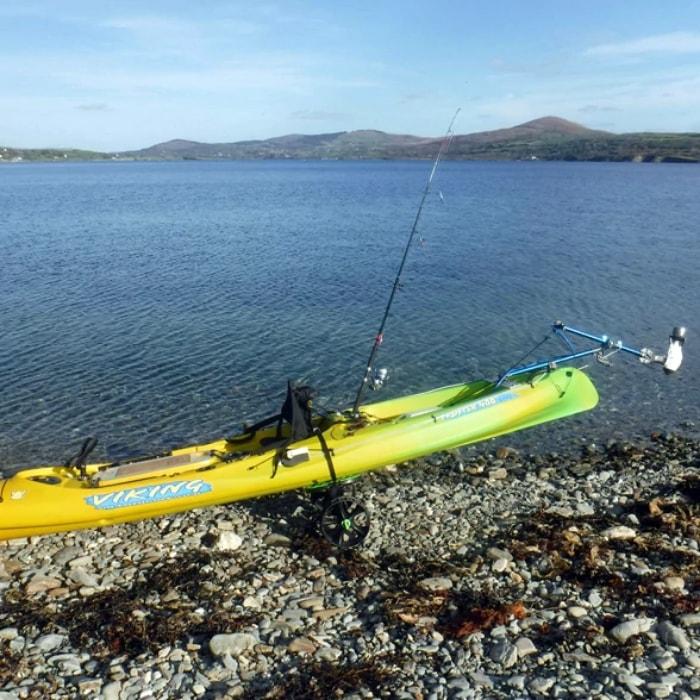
{"x":322,"y":680}
{"x":14,"y":667}
{"x":162,"y":606}
{"x":118,"y":622}
{"x":455,"y":613}
{"x":481,"y":618}
{"x":572,"y":549}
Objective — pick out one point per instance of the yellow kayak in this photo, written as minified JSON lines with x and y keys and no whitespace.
{"x":267,"y":460}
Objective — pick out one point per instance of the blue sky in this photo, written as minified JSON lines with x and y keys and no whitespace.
{"x":119,"y":75}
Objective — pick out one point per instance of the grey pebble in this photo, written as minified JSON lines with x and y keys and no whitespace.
{"x":234,"y":644}
{"x":504,"y":653}
{"x":49,"y":642}
{"x":672,"y":635}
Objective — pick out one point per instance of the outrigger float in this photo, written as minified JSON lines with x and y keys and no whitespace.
{"x":302,"y":449}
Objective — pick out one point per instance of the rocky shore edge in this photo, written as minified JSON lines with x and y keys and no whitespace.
{"x":485,"y":575}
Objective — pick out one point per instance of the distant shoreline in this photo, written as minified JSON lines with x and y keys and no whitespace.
{"x":640,"y":161}
{"x":546,"y":138}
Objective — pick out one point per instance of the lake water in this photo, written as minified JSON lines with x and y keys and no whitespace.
{"x":154,"y":304}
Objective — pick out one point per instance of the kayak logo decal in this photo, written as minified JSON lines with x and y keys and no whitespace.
{"x":143,"y":495}
{"x":478,"y":405}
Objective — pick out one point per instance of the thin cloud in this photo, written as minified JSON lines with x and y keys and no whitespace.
{"x":673,"y":43}
{"x":593,"y":109}
{"x":167,"y":26}
{"x":94,"y":107}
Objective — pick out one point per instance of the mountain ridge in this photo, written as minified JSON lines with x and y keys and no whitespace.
{"x":544,"y":138}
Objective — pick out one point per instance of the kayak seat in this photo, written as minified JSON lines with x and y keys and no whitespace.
{"x":295,"y":412}
{"x":146,"y":466}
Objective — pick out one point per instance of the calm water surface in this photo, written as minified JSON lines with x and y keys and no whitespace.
{"x":154,"y":304}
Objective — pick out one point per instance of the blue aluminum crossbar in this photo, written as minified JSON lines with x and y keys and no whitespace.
{"x":560,"y":330}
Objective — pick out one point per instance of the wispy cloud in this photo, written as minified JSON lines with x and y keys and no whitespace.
{"x":94,"y":107}
{"x":651,"y":94}
{"x":164,"y":25}
{"x":594,"y":109}
{"x":672,"y":43}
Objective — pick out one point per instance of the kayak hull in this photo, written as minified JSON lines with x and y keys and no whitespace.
{"x":50,"y":499}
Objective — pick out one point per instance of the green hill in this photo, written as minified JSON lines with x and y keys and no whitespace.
{"x":547,"y":138}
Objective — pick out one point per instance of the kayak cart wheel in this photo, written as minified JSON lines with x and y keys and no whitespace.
{"x":345,"y":522}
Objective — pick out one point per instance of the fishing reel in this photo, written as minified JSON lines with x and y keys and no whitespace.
{"x":673,"y":358}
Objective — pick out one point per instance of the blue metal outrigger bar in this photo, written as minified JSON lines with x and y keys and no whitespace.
{"x":671,"y":361}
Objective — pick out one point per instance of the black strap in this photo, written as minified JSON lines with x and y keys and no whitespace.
{"x":327,"y":453}
{"x":79,"y":458}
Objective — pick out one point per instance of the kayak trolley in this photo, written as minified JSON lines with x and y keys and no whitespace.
{"x":342,"y":518}
{"x":344,"y":522}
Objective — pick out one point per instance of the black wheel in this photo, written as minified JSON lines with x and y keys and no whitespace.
{"x":345,"y":522}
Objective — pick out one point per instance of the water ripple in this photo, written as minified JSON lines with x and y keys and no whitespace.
{"x":154,"y":303}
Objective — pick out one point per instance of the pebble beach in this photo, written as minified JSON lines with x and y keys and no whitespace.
{"x":486,"y":574}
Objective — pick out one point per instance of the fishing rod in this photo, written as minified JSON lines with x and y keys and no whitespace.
{"x":378,"y":339}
